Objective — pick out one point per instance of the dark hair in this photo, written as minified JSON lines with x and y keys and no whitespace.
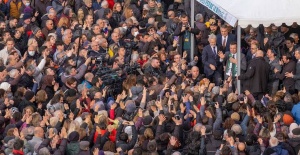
{"x":18,"y":145}
{"x":233,"y":43}
{"x":123,"y":137}
{"x":160,"y":24}
{"x":287,"y":55}
{"x":226,"y":150}
{"x":290,"y":39}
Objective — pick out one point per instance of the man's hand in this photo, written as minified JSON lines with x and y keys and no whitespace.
{"x":233,"y":60}
{"x":276,"y":70}
{"x":289,"y":75}
{"x":212,"y":67}
{"x":221,"y":54}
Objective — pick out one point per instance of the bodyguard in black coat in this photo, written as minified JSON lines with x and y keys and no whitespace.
{"x":256,"y":77}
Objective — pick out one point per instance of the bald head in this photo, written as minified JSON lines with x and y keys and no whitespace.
{"x":241,"y":146}
{"x":195,"y":71}
{"x":39,"y":132}
{"x":259,"y":53}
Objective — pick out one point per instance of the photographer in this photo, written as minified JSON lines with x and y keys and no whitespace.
{"x":184,"y":31}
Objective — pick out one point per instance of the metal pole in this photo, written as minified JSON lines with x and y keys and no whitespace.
{"x":239,"y":57}
{"x":192,"y":25}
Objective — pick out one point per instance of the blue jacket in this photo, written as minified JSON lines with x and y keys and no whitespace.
{"x":296,"y":113}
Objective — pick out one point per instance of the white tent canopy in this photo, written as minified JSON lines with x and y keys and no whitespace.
{"x":266,"y":12}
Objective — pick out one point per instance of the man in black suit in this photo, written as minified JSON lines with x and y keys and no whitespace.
{"x":224,"y":39}
{"x":288,"y":67}
{"x":296,"y":75}
{"x":256,"y":77}
{"x":211,"y":60}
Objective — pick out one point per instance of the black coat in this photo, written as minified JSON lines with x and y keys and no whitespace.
{"x":256,"y":77}
{"x":288,"y":83}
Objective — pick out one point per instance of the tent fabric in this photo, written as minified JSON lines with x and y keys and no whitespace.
{"x":266,"y":12}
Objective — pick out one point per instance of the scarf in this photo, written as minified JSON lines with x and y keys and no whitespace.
{"x":233,"y":66}
{"x":18,"y":152}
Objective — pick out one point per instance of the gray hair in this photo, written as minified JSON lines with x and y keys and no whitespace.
{"x":104,"y":3}
{"x":13,"y":72}
{"x":44,"y":151}
{"x":293,"y":35}
{"x":212,"y":36}
{"x":102,"y":40}
{"x":198,"y":16}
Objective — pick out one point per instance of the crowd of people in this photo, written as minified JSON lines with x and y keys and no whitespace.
{"x":107,"y":77}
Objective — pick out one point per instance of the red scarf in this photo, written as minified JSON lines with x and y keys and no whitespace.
{"x":18,"y":152}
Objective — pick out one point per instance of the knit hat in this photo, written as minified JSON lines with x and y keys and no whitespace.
{"x":48,"y":8}
{"x":215,"y":90}
{"x":5,"y":86}
{"x":35,"y":29}
{"x":237,"y":129}
{"x":292,"y":130}
{"x":84,"y":145}
{"x":26,"y":16}
{"x":235,"y":116}
{"x":29,"y":95}
{"x":73,"y":136}
{"x":287,"y":119}
{"x":147,"y":120}
{"x":130,"y":106}
{"x":128,"y":130}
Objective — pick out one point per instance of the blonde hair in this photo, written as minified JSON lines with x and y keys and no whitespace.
{"x":30,"y":41}
{"x":53,"y":121}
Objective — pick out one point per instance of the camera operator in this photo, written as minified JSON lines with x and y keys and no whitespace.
{"x":184,"y":31}
{"x":121,"y":54}
{"x":154,"y":67}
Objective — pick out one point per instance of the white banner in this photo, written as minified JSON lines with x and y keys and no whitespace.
{"x":230,"y":19}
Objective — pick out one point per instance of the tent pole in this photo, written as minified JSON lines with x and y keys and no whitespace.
{"x":239,"y":57}
{"x":192,"y":25}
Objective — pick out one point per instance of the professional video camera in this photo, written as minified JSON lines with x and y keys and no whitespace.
{"x":132,"y":69}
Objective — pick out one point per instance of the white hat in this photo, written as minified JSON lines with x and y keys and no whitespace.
{"x":5,"y":86}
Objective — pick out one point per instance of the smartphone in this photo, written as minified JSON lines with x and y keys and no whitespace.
{"x":105,"y":30}
{"x":158,"y":98}
{"x":177,"y":117}
{"x":172,"y":106}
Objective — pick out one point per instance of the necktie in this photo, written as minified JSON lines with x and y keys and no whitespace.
{"x":232,"y":67}
{"x":214,"y":50}
{"x":224,"y":42}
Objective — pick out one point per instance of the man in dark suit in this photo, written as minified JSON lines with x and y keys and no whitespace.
{"x":256,"y":77}
{"x":224,"y":39}
{"x":211,"y":60}
{"x":274,"y":63}
{"x":296,"y":75}
{"x":288,"y":67}
{"x":230,"y":61}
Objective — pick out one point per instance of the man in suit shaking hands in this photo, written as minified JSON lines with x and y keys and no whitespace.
{"x":211,"y":61}
{"x":224,"y":39}
{"x":296,"y":76}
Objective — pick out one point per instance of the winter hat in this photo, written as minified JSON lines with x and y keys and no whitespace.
{"x":10,"y":143}
{"x":287,"y":119}
{"x":130,"y":106}
{"x":84,"y":145}
{"x":26,"y":16}
{"x":48,"y":8}
{"x":29,"y":95}
{"x":147,"y":120}
{"x":237,"y":129}
{"x":5,"y":86}
{"x":235,"y":116}
{"x":292,"y":130}
{"x":215,"y":90}
{"x":35,"y":29}
{"x":73,"y":136}
{"x":128,"y":130}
